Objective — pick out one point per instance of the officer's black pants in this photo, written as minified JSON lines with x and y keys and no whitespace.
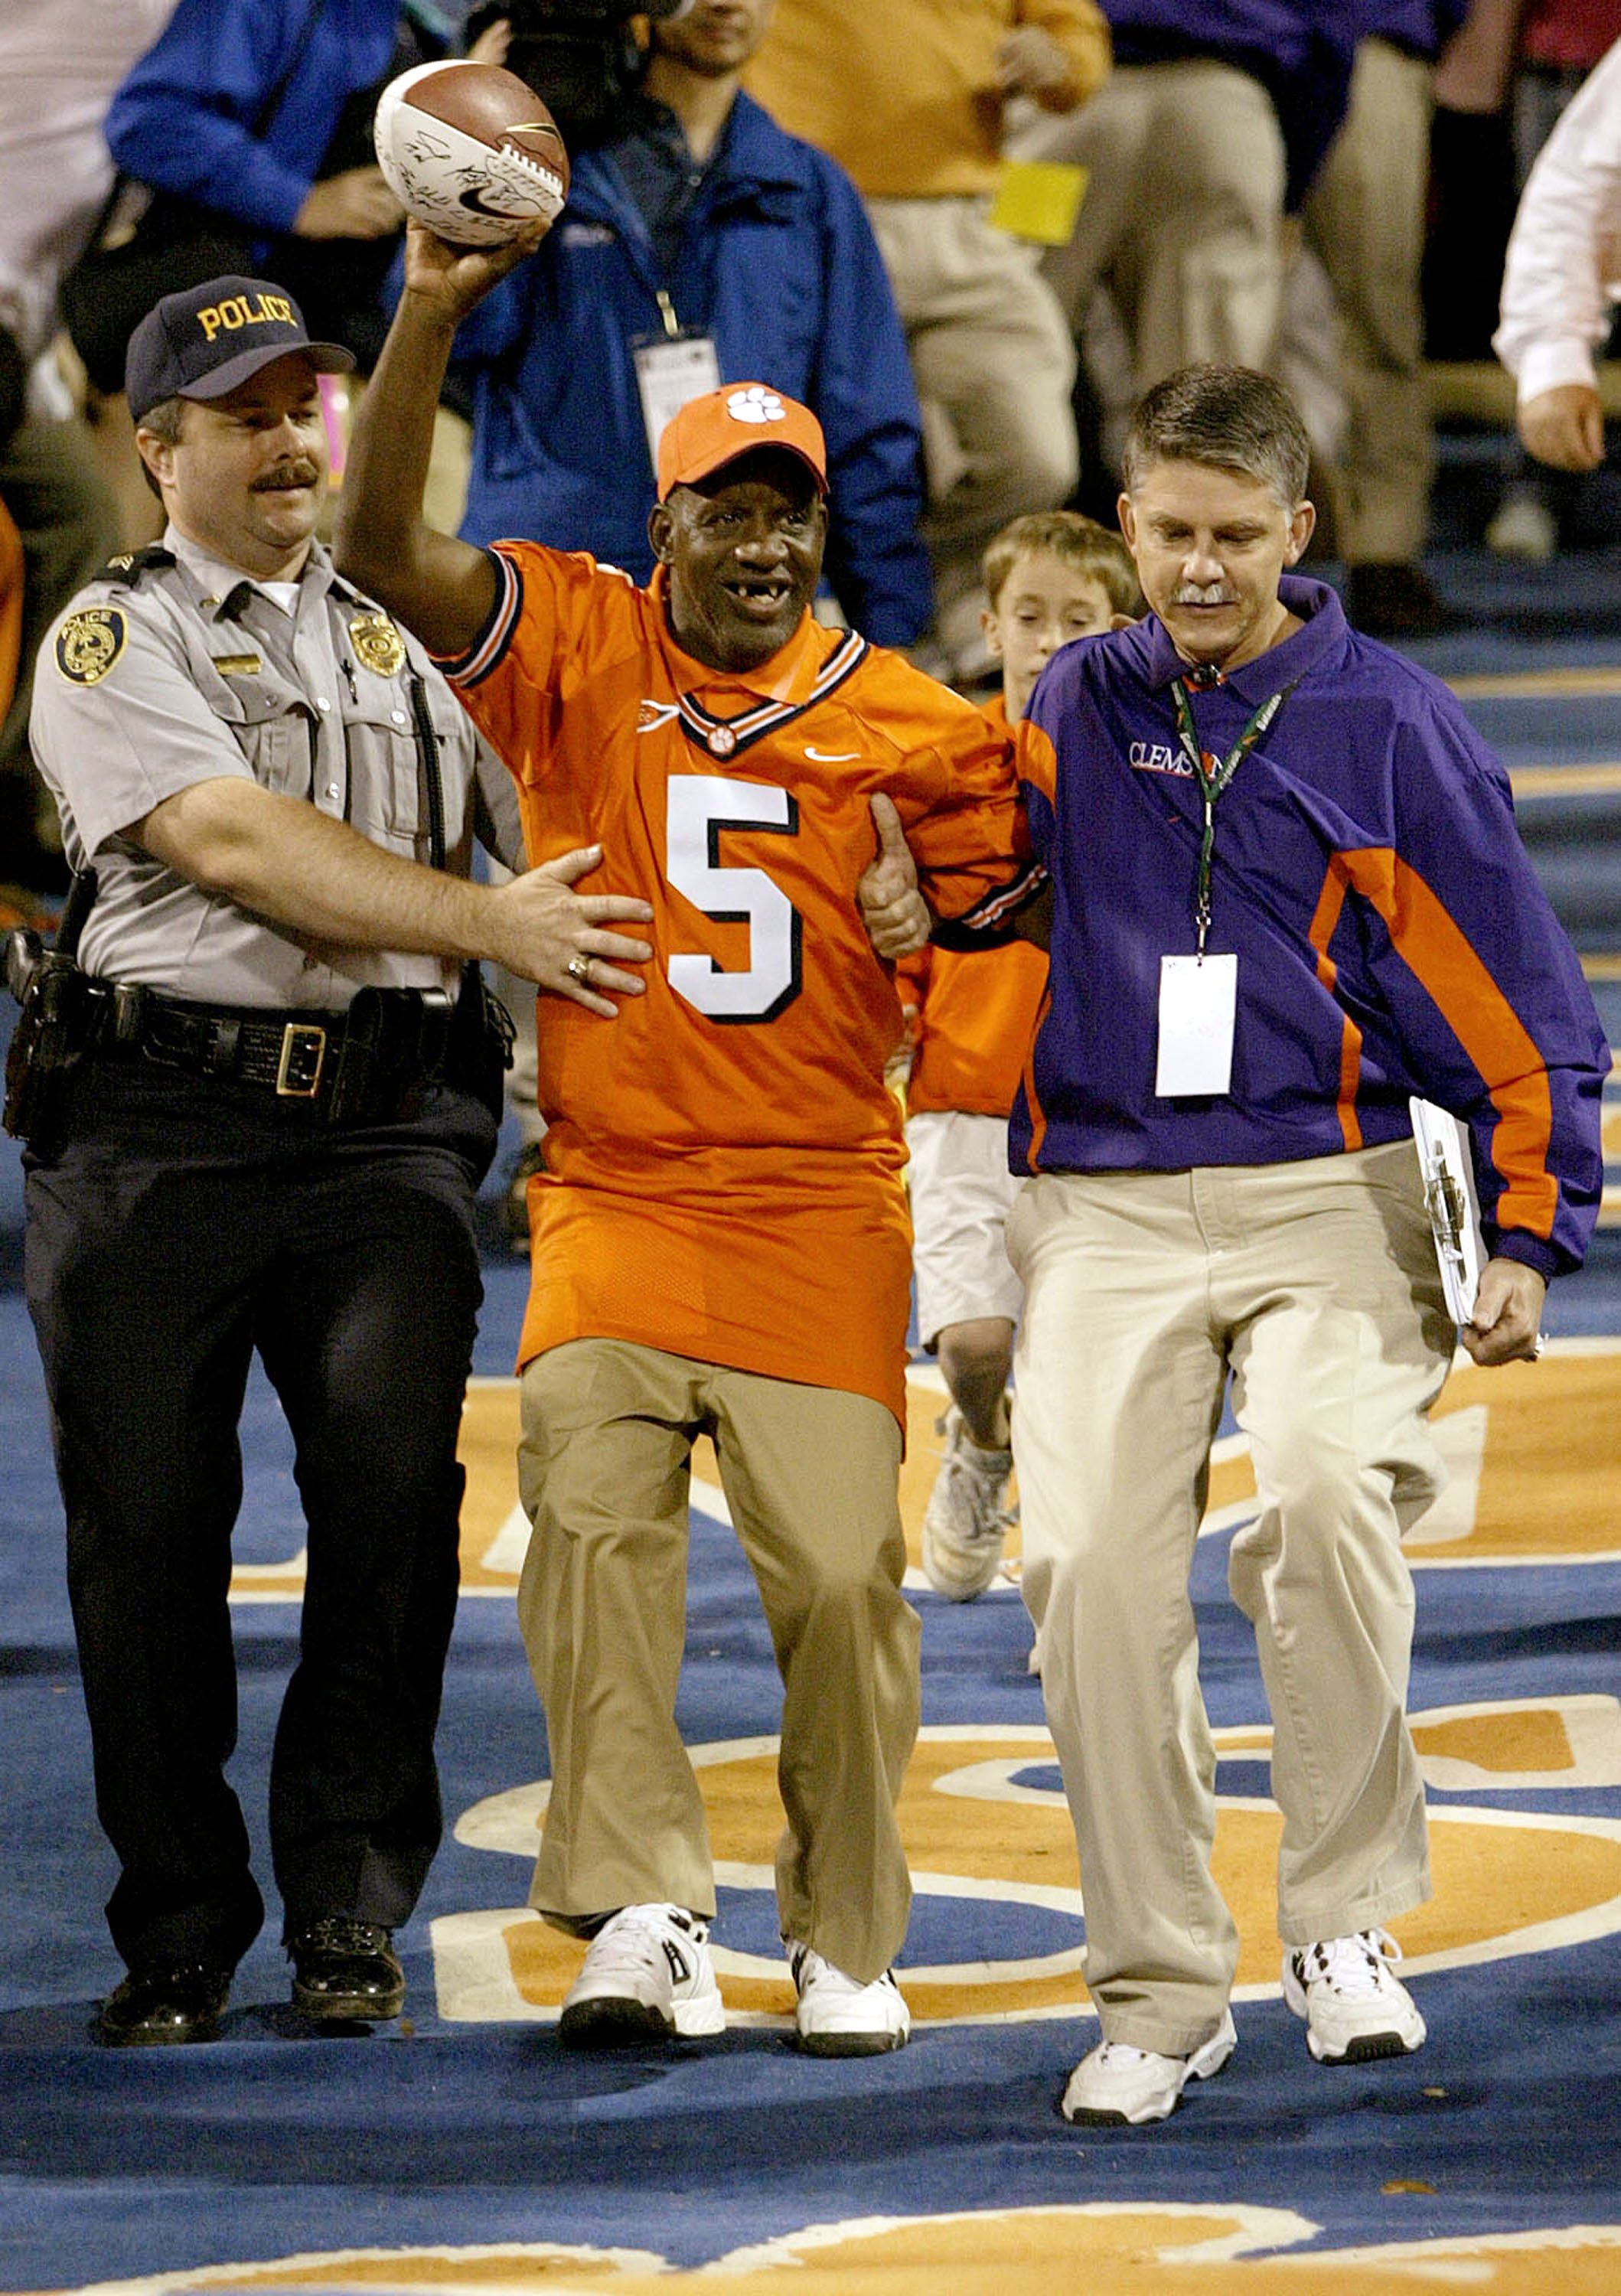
{"x":186,"y":1223}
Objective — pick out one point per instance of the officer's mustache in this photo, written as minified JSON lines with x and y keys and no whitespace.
{"x":286,"y":476}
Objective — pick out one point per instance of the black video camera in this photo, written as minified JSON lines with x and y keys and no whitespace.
{"x":580,"y":56}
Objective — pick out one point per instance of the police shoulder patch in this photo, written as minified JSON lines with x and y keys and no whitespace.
{"x":89,"y":643}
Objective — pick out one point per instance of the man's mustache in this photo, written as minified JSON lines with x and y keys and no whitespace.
{"x":1215,"y":593}
{"x":287,"y":476}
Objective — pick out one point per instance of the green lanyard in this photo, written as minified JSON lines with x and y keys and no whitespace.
{"x":1214,"y":776}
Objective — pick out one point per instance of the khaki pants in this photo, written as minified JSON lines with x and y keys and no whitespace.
{"x":810,"y":1474}
{"x":1314,"y":1285}
{"x":1183,"y":216}
{"x":1365,"y":217}
{"x":994,"y":364}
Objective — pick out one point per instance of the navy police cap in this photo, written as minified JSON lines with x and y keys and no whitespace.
{"x":202,"y":342}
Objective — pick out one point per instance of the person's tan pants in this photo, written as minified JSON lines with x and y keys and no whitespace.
{"x":810,"y":1475}
{"x":994,"y":364}
{"x":1183,"y":216}
{"x":1364,"y":218}
{"x":1316,"y":1286}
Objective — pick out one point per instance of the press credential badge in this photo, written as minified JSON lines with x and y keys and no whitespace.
{"x":1198,"y":1001}
{"x":669,"y":371}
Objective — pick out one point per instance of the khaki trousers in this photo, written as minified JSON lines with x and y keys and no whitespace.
{"x":1364,"y":218}
{"x":810,"y":1475}
{"x":1183,"y":216}
{"x":1314,"y":1285}
{"x":994,"y":361}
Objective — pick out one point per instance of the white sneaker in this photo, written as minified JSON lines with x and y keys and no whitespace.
{"x":647,"y":1972}
{"x":967,"y":1517}
{"x":1118,"y":2083}
{"x":1355,"y":2010}
{"x":837,"y":2017}
{"x":1522,"y":526}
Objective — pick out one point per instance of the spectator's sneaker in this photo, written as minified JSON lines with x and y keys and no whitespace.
{"x":1118,"y":2083}
{"x":1354,"y":2009}
{"x":647,"y":1975}
{"x":967,"y":1517}
{"x":1523,"y":525}
{"x":837,"y":2017}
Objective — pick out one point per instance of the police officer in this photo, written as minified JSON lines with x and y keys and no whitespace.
{"x":281,"y":1098}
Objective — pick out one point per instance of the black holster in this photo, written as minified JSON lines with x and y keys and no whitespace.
{"x":481,"y":1035}
{"x":395,"y":1042}
{"x":53,"y":1029}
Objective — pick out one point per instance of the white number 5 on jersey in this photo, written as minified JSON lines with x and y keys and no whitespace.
{"x":701,"y":806}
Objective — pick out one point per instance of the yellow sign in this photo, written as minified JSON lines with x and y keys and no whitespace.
{"x":89,"y":643}
{"x":378,"y":645}
{"x":1039,"y":200}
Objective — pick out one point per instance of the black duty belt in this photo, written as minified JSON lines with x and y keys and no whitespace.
{"x":294,"y":1054}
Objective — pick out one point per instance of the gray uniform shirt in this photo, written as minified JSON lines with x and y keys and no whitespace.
{"x":193,"y":672}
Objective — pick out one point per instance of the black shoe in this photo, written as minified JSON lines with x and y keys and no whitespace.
{"x":1387,"y":599}
{"x":155,"y":2008}
{"x":347,"y":1971}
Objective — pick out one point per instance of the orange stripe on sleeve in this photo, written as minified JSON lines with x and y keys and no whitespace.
{"x":1038,"y":1115}
{"x":1332,"y":900}
{"x":1484,"y":1023}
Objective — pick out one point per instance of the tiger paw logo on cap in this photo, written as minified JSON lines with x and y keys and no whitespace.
{"x":756,"y":404}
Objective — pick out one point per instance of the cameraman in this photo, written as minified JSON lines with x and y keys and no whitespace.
{"x":700,"y":245}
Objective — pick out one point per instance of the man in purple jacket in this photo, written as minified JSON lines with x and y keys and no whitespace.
{"x":1288,"y":895}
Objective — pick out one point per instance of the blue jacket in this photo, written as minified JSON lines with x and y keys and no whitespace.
{"x":1301,"y":51}
{"x":778,"y":263}
{"x":184,"y":118}
{"x":1391,"y":936}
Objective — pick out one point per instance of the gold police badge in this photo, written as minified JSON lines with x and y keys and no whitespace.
{"x":377,"y":643}
{"x":89,"y":643}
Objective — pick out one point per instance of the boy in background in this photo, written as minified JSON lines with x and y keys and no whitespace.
{"x":1051,"y":576}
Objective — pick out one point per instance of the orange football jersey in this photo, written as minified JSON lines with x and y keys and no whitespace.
{"x":723,"y":1159}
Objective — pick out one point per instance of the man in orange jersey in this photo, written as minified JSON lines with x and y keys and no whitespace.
{"x":1051,"y":576}
{"x":720,"y":1235}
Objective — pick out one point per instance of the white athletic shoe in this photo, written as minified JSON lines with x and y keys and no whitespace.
{"x":837,"y":2017}
{"x":1355,"y":2010}
{"x":1118,"y":2083}
{"x":647,"y":1973}
{"x":967,"y":1517}
{"x":1523,"y":527}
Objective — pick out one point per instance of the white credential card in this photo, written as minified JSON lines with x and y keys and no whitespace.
{"x":669,"y":374}
{"x":1197,"y":1001}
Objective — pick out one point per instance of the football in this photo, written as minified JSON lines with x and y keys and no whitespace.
{"x":470,"y":151}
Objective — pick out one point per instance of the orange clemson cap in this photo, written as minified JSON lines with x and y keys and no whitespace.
{"x":740,"y":417}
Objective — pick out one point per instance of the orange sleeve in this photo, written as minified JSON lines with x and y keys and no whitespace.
{"x":556,"y":613}
{"x":963,"y":818}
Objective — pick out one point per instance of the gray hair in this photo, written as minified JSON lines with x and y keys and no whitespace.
{"x":1231,"y":418}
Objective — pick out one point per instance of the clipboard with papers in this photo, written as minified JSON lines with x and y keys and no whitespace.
{"x":1449,"y":1196}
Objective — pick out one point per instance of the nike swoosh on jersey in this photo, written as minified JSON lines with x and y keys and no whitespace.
{"x":832,"y":757}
